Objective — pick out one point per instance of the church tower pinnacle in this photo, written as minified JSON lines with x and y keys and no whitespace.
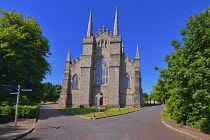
{"x":90,"y":26}
{"x":137,"y":52}
{"x":102,"y":70}
{"x":116,"y":28}
{"x":68,"y":56}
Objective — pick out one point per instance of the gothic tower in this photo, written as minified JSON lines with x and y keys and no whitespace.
{"x":102,"y":69}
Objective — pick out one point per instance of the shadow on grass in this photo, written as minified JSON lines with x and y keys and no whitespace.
{"x":48,"y":111}
{"x":91,"y":112}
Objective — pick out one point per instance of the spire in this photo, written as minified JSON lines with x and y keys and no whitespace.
{"x":137,"y":52}
{"x":116,"y":28}
{"x":90,"y":26}
{"x":68,"y":56}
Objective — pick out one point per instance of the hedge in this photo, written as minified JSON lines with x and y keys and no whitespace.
{"x":23,"y":111}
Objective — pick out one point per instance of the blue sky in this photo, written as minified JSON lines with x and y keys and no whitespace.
{"x":151,"y":24}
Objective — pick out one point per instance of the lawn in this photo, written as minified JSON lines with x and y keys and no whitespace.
{"x":91,"y":112}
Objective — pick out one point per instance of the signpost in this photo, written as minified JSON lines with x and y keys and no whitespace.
{"x":26,"y":90}
{"x":16,"y":90}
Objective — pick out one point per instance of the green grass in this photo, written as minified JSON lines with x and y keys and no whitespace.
{"x":165,"y":115}
{"x":78,"y":111}
{"x":99,"y":114}
{"x":91,"y":112}
{"x":112,"y":111}
{"x":46,"y":103}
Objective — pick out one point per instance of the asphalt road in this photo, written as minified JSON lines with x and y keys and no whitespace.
{"x":141,"y":125}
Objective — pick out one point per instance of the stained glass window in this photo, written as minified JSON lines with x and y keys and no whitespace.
{"x":75,"y":82}
{"x":126,"y":81}
{"x":101,"y":72}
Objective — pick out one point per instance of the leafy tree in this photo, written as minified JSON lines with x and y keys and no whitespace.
{"x":152,"y":98}
{"x":47,"y":91}
{"x":185,"y":82}
{"x":159,"y":91}
{"x":145,"y":96}
{"x":23,"y":53}
{"x":50,"y":92}
{"x":56,"y":94}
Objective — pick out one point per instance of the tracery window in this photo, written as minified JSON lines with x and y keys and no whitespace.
{"x":127,"y":81}
{"x":75,"y":82}
{"x":101,"y":72}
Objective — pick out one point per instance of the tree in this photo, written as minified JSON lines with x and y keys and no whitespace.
{"x":56,"y":94}
{"x":185,"y":82}
{"x":50,"y":92}
{"x":23,"y":53}
{"x":159,"y":91}
{"x":151,"y":98}
{"x":145,"y":96}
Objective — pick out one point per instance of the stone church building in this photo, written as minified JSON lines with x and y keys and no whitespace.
{"x":102,"y":69}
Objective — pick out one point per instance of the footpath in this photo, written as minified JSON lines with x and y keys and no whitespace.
{"x":9,"y":132}
{"x":193,"y":133}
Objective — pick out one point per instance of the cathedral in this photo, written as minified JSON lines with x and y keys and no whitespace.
{"x":102,"y":69}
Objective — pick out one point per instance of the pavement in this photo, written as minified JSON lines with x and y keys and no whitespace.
{"x":24,"y":126}
{"x":9,"y":131}
{"x":193,"y":133}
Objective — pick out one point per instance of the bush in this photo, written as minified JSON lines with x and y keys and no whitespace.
{"x":6,"y":110}
{"x":28,"y":111}
{"x":7,"y":113}
{"x":23,"y":111}
{"x":204,"y":124}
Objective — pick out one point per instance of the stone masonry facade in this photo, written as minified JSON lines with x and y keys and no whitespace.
{"x":102,"y":68}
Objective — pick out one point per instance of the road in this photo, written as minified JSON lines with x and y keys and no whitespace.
{"x":140,"y":125}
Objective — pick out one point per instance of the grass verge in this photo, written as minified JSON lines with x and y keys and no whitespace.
{"x":165,"y":115}
{"x":91,"y":112}
{"x":46,"y":103}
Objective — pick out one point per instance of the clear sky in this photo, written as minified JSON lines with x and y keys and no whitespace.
{"x":151,"y":24}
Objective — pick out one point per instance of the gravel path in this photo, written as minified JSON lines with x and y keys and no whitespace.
{"x":141,"y":125}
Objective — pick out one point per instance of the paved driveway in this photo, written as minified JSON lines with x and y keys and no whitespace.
{"x":141,"y":125}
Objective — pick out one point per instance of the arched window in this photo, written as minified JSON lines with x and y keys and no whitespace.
{"x":127,"y":81}
{"x":75,"y":81}
{"x":101,"y":72}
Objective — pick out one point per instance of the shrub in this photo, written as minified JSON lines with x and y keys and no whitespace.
{"x":6,"y":113}
{"x":28,"y":111}
{"x":6,"y":110}
{"x":23,"y":111}
{"x":203,"y":124}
